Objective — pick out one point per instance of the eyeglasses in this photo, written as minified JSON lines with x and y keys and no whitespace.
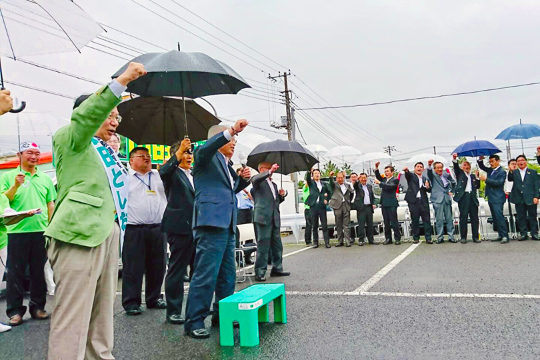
{"x":142,"y":156}
{"x":118,"y":118}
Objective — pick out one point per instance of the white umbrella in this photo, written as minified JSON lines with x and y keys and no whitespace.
{"x":246,"y":143}
{"x":425,"y":157}
{"x":316,"y":149}
{"x":344,"y":153}
{"x":376,"y":156}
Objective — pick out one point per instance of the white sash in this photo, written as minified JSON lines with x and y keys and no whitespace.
{"x":118,"y":182}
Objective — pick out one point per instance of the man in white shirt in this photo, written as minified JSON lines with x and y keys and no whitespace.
{"x":466,"y":195}
{"x":144,"y":246}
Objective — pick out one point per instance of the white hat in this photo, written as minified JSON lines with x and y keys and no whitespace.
{"x":28,"y":146}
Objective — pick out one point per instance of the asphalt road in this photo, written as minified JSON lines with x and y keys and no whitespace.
{"x":448,"y":301}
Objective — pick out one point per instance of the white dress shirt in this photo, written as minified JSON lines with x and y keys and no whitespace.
{"x":147,"y":200}
{"x":228,"y":136}
{"x":367,"y":199}
{"x":508,"y":185}
{"x":420,"y":185}
{"x":189,"y":176}
{"x":271,"y":184}
{"x":343,"y":190}
{"x":468,"y":188}
{"x":523,"y":172}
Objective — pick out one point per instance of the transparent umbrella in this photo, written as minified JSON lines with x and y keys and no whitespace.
{"x":344,"y":153}
{"x":317,"y":150}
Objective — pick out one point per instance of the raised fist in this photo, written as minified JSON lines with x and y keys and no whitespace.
{"x":430,"y":162}
{"x":274,"y":168}
{"x":405,"y":169}
{"x":377,"y":164}
{"x":6,"y":102}
{"x":454,"y":156}
{"x":240,"y":125}
{"x":19,"y":180}
{"x":133,"y":72}
{"x":331,"y":173}
{"x":185,"y":145}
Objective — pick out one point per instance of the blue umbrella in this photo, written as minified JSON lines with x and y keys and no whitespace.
{"x":520,"y":131}
{"x":476,"y":148}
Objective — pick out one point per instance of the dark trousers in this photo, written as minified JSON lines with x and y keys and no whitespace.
{"x":244,"y":216}
{"x":524,"y":212}
{"x":343,"y":219}
{"x":268,"y":246}
{"x":182,"y":248}
{"x":468,"y":209}
{"x":316,"y":214}
{"x":365,"y":218}
{"x":420,"y":210}
{"x":25,"y":249}
{"x":144,"y":254}
{"x":215,"y":271}
{"x":391,"y":223}
{"x":499,"y":220}
{"x":309,"y":226}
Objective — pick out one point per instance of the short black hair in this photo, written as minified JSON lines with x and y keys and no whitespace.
{"x":521,"y":156}
{"x":80,"y":100}
{"x":317,"y":170}
{"x":419,"y":163}
{"x":363,"y":174}
{"x":138,"y":148}
{"x":495,"y":156}
{"x":353,"y":173}
{"x":509,"y":161}
{"x":437,"y":162}
{"x":390,"y":167}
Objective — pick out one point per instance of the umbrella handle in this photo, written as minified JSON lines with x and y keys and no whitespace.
{"x":19,"y":109}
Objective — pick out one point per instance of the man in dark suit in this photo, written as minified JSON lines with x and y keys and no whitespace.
{"x":466,"y":195}
{"x":317,"y":200}
{"x":417,"y":188}
{"x":364,"y":204}
{"x":524,"y":195}
{"x":389,"y":203}
{"x":176,"y":224}
{"x":340,"y":202}
{"x":495,"y":179}
{"x":266,"y":218}
{"x":214,"y":224}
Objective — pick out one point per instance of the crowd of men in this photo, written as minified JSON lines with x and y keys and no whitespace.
{"x":521,"y":185}
{"x":101,"y":207}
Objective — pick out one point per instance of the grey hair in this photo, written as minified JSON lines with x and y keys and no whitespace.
{"x":216,"y":129}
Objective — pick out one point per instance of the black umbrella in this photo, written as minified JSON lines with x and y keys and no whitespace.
{"x":160,"y":120}
{"x":177,"y":73}
{"x":289,"y":155}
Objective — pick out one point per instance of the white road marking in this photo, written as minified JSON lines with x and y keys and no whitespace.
{"x":385,"y":270}
{"x":289,"y":254}
{"x":413,"y":295}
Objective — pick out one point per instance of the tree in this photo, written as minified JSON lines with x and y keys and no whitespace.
{"x":330,"y":166}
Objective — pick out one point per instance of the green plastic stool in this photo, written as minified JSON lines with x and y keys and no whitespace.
{"x":249,"y":307}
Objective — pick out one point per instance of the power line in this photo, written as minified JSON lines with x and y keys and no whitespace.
{"x":125,"y":33}
{"x":226,"y":33}
{"x":41,"y":66}
{"x":425,"y":97}
{"x":300,"y":131}
{"x":38,"y":89}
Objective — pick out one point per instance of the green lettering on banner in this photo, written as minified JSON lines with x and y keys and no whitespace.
{"x":116,"y":175}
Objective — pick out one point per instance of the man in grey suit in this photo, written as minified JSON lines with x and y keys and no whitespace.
{"x":442,"y":185}
{"x":341,"y":203}
{"x":266,"y":218}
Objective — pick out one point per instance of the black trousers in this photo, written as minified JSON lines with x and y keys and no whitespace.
{"x":420,"y":210}
{"x":143,"y":255}
{"x":316,"y":214}
{"x":468,"y":210}
{"x":269,"y":247}
{"x":244,"y":216}
{"x":391,"y":223}
{"x":499,"y":221}
{"x":524,"y":213}
{"x":309,"y":226}
{"x":365,"y":218}
{"x":25,"y":249}
{"x":182,"y":254}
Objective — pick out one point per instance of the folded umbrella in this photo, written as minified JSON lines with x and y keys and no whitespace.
{"x":160,"y":120}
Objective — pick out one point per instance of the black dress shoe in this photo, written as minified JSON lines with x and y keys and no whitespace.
{"x":175,"y":319}
{"x":134,"y":311}
{"x":309,"y":243}
{"x":453,"y":241}
{"x":416,"y":241}
{"x":348,"y":245}
{"x":476,"y":240}
{"x":338,"y":245}
{"x":260,"y":278}
{"x":315,"y":246}
{"x":279,"y":273}
{"x":463,"y":241}
{"x":440,"y":241}
{"x":198,"y":333}
{"x":327,"y":246}
{"x":504,"y":241}
{"x":523,"y":237}
{"x":536,"y":238}
{"x":398,"y":242}
{"x":387,"y":242}
{"x":160,"y":304}
{"x":361,"y":243}
{"x":429,"y":241}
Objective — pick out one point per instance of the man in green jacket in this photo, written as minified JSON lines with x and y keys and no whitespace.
{"x":89,"y":220}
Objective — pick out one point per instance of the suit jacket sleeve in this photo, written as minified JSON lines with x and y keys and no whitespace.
{"x":457,"y":169}
{"x":88,"y":117}
{"x":430,"y":174}
{"x":511,"y":176}
{"x":331,"y":184}
{"x":482,"y":166}
{"x":497,"y":180}
{"x":536,"y":185}
{"x":378,"y":175}
{"x":204,"y":154}
{"x":259,"y":178}
{"x":167,"y":170}
{"x":391,"y":185}
{"x":308,"y":178}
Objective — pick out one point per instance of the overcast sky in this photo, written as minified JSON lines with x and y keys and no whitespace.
{"x":349,"y":52}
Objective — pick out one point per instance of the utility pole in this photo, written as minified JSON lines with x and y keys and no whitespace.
{"x":290,"y":126}
{"x":388,"y":149}
{"x":434,"y":150}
